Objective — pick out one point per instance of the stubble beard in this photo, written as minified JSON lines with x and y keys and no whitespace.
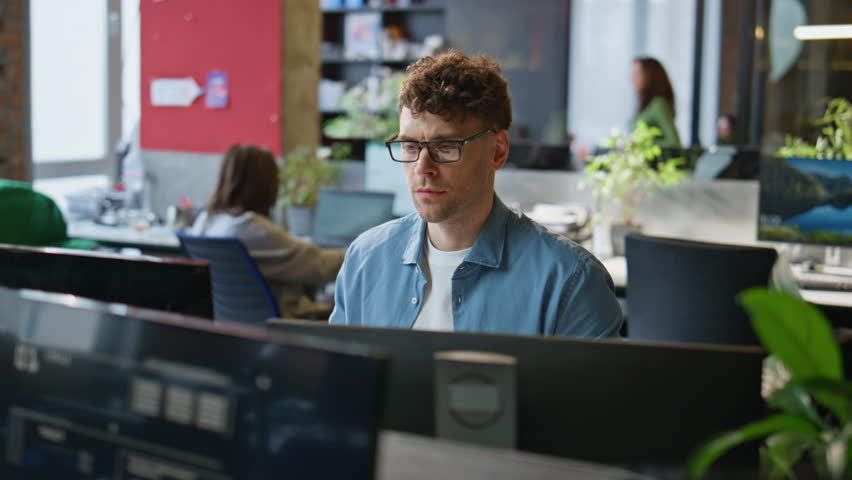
{"x":435,"y":212}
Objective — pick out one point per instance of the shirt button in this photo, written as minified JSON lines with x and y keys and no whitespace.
{"x":414,"y":300}
{"x":459,"y":299}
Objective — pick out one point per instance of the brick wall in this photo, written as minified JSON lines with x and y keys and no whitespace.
{"x":13,"y":83}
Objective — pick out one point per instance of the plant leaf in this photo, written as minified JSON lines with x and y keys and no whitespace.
{"x":704,"y":456}
{"x":795,"y":332}
{"x":793,"y":398}
{"x":841,"y":388}
{"x":781,"y":452}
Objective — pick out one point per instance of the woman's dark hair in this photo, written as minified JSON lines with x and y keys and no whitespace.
{"x":248,"y":182}
{"x":655,"y":84}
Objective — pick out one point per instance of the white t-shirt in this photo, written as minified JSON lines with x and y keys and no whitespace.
{"x":436,"y":313}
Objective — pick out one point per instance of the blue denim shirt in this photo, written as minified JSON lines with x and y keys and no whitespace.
{"x":518,"y":279}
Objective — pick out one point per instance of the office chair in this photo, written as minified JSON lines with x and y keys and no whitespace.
{"x":240,"y":292}
{"x":685,"y":291}
{"x":342,"y":215}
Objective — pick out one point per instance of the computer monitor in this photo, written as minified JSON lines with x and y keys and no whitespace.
{"x":610,"y":401}
{"x":540,"y":156}
{"x":110,"y":392}
{"x":805,"y":200}
{"x":342,"y":215}
{"x":170,"y":284}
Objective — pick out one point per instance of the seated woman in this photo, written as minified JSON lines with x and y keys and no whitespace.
{"x":246,"y":192}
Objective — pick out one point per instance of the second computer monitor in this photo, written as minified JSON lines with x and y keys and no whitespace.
{"x":342,"y":215}
{"x":630,"y":403}
{"x":806,"y":200}
{"x":176,"y":285}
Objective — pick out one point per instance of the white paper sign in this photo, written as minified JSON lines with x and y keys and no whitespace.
{"x":174,"y":92}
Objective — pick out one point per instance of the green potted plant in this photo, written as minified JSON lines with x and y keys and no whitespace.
{"x":835,"y":143}
{"x":370,"y":108}
{"x":371,"y":113}
{"x":803,"y":381}
{"x":305,"y":170}
{"x":628,"y":172}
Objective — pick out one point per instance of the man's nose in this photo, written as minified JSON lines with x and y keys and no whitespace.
{"x":424,"y":164}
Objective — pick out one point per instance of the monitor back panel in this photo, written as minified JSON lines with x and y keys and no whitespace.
{"x":97,"y":394}
{"x":168,"y":284}
{"x":607,"y":401}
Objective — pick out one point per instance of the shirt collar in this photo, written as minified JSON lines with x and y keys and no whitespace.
{"x":486,"y":251}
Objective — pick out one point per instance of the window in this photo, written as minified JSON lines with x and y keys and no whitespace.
{"x":80,"y":53}
{"x":606,"y":35}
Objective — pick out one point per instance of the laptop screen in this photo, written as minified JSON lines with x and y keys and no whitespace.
{"x":342,"y":215}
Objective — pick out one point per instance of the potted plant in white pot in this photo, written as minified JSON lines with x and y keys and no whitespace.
{"x":306,"y":169}
{"x":628,"y":172}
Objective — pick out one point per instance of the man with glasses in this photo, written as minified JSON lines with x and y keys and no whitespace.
{"x":465,"y":262}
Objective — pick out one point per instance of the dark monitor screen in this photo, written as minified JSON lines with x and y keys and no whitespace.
{"x":805,"y":200}
{"x":611,"y":401}
{"x":540,"y":156}
{"x":169,"y":284}
{"x":105,"y":392}
{"x":342,"y":215}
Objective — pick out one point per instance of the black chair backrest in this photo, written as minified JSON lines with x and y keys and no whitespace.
{"x":240,"y":292}
{"x":684,"y":291}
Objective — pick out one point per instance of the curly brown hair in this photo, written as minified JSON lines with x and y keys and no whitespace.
{"x":453,"y":85}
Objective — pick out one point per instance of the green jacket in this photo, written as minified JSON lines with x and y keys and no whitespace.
{"x":660,"y":114}
{"x":28,"y":217}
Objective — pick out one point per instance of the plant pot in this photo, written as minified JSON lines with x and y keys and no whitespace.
{"x":300,"y":220}
{"x":617,"y":232}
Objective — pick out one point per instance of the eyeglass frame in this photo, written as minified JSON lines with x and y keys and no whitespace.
{"x":459,"y":144}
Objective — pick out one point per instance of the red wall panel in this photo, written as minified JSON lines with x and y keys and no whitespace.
{"x":181,"y":38}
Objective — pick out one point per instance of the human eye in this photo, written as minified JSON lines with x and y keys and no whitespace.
{"x":445,"y":147}
{"x":410,"y":147}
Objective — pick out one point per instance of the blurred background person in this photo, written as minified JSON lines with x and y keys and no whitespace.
{"x":725,"y":130}
{"x":655,"y":100}
{"x":246,"y":191}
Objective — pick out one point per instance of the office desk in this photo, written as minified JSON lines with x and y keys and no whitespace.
{"x":617,"y":267}
{"x":154,"y":240}
{"x":404,"y":456}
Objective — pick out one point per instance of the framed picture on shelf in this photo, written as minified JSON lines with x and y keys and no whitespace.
{"x":361,"y":35}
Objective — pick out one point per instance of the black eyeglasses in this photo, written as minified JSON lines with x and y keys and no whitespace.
{"x":440,"y":151}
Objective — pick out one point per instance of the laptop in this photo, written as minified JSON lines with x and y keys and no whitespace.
{"x":342,"y":215}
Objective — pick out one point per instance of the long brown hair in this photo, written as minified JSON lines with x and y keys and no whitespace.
{"x":655,"y":83}
{"x":248,"y":182}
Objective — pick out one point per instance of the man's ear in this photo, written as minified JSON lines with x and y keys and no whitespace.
{"x":501,"y":149}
